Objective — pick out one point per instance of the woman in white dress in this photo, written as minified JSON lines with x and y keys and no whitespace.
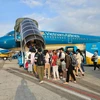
{"x":79,"y":61}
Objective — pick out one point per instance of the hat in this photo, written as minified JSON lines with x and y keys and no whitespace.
{"x":39,"y":50}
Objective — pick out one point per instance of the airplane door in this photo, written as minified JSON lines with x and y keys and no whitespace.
{"x":69,"y":38}
{"x":17,"y":36}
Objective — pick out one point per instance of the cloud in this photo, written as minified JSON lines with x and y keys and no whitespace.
{"x":82,"y":21}
{"x":74,"y":16}
{"x":76,"y":2}
{"x":32,"y":3}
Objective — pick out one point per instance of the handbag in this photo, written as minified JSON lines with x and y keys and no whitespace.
{"x":92,"y":58}
{"x":58,"y":62}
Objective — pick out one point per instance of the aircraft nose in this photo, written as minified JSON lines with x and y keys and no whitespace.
{"x":2,"y":42}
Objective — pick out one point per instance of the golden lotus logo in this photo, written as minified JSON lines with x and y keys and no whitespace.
{"x":93,"y":46}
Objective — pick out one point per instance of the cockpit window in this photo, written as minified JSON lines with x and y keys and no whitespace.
{"x":9,"y":34}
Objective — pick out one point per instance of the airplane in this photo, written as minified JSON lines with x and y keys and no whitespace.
{"x":26,"y":32}
{"x":4,"y":51}
{"x":56,"y":40}
{"x":53,"y":40}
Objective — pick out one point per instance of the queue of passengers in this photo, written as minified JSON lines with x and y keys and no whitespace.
{"x":55,"y":64}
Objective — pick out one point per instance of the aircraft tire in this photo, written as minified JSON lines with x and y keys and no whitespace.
{"x":4,"y":58}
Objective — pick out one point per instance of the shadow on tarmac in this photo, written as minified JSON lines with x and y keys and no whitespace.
{"x":23,"y":92}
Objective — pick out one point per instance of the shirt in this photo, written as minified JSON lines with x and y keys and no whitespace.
{"x":47,"y":58}
{"x":54,"y":60}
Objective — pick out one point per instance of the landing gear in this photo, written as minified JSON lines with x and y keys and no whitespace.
{"x":4,"y":58}
{"x":10,"y":58}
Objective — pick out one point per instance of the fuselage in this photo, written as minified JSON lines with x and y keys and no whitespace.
{"x":68,"y":38}
{"x":51,"y":38}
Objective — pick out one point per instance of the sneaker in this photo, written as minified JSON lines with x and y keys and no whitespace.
{"x":41,"y":82}
{"x":48,"y":77}
{"x":76,"y":75}
{"x":64,"y":79}
{"x":82,"y":74}
{"x":58,"y":79}
{"x":65,"y":83}
{"x":45,"y":76}
{"x":61,"y":77}
{"x":74,"y":81}
{"x":54,"y":79}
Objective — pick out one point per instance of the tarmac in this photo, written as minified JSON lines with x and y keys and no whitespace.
{"x":17,"y":84}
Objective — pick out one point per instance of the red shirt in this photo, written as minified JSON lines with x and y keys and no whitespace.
{"x":54,"y":60}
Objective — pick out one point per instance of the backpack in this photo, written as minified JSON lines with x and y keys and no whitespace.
{"x":92,"y":58}
{"x":58,"y":62}
{"x":40,"y":59}
{"x":74,"y":61}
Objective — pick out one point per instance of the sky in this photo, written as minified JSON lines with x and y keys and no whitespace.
{"x":70,"y":16}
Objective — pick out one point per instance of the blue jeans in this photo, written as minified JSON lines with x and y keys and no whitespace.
{"x":82,"y":66}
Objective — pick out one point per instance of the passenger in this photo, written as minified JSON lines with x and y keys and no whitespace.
{"x":26,"y":65}
{"x":79,"y":61}
{"x":26,"y":61}
{"x":47,"y":65}
{"x":27,"y":53}
{"x":51,"y":68}
{"x":64,"y":69}
{"x":50,"y":61}
{"x":69,"y":68}
{"x":95,"y":56}
{"x":30,"y":68}
{"x":74,"y":62}
{"x":40,"y":62}
{"x":82,"y":62}
{"x":35,"y":62}
{"x":32,"y":46}
{"x":62,"y":58}
{"x":33,"y":51}
{"x":58,"y":60}
{"x":59,"y":53}
{"x":55,"y":66}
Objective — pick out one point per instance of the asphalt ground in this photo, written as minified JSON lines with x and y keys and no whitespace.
{"x":86,"y":88}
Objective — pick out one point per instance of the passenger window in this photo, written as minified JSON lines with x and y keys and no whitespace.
{"x":9,"y":35}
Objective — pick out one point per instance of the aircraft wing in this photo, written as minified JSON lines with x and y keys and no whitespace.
{"x":4,"y":51}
